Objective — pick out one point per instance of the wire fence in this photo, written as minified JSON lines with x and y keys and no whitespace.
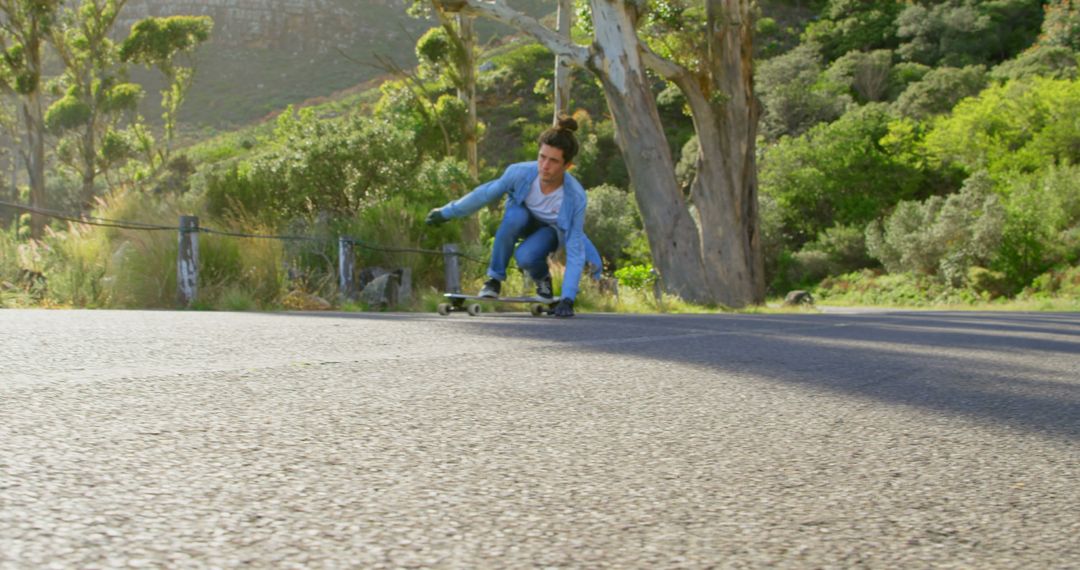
{"x":79,"y":218}
{"x":188,"y":255}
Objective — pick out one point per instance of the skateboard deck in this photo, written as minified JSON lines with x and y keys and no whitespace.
{"x":469,"y":303}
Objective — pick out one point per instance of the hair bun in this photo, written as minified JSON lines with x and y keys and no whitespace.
{"x":567,"y":123}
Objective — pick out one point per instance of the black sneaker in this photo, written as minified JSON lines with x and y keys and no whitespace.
{"x":543,"y":288}
{"x":492,"y":288}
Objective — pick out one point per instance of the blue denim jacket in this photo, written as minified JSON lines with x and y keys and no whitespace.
{"x":515,"y":183}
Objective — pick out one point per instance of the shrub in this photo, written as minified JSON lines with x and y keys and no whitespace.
{"x":612,"y":221}
{"x":793,"y":93}
{"x":838,"y":173}
{"x":76,"y":262}
{"x":636,"y":276}
{"x":939,"y":91}
{"x":1057,"y":62}
{"x":867,"y":74}
{"x":1064,"y":282}
{"x":1020,"y":126}
{"x":868,"y":287}
{"x":1043,"y":212}
{"x":941,"y":236}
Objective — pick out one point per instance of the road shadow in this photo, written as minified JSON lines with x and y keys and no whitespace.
{"x":1013,"y":369}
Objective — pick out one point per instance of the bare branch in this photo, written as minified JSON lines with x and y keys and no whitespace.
{"x":498,"y":10}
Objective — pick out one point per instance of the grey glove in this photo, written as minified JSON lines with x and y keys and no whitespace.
{"x":435,"y":217}
{"x":565,"y":308}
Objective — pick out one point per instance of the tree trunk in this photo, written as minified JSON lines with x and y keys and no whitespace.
{"x":467,"y":93}
{"x":562,"y":66}
{"x":673,"y":234}
{"x":35,"y":159}
{"x":725,"y":189}
{"x":89,"y":164}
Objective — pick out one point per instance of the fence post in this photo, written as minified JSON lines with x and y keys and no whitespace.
{"x":450,"y":264}
{"x":187,"y":261}
{"x":346,"y":266}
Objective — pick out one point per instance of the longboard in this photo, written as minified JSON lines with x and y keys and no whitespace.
{"x":469,"y":303}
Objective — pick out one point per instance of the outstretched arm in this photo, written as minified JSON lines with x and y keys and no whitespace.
{"x":478,"y":198}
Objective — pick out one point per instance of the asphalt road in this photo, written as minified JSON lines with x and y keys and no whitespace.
{"x":882,"y":440}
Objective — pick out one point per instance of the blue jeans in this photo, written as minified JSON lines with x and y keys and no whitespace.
{"x":540,"y":240}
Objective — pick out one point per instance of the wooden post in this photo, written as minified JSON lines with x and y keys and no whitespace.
{"x":453,"y":272}
{"x":346,"y":266}
{"x":187,"y":261}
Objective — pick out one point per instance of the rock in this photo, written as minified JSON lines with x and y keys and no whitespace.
{"x":300,"y":301}
{"x":798,"y":297}
{"x":381,"y":288}
{"x":382,"y":292}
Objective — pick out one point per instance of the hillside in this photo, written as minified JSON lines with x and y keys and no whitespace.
{"x":266,"y":54}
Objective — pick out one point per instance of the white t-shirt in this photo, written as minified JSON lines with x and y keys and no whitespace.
{"x":544,"y":206}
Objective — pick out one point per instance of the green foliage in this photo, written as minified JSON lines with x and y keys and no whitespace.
{"x":1063,"y":282}
{"x":677,"y":29}
{"x":1043,"y":226}
{"x":838,"y":173}
{"x":851,"y":25}
{"x":157,"y":41}
{"x":795,"y":98}
{"x":868,"y":287}
{"x":636,"y":276}
{"x":1018,"y":126}
{"x":844,"y":248}
{"x":75,"y":265}
{"x":939,"y":91}
{"x":958,"y":33}
{"x":67,"y":113}
{"x":837,"y":250}
{"x":1061,"y":25}
{"x":323,"y":166}
{"x":612,"y":221}
{"x":599,"y":160}
{"x":868,"y":75}
{"x":942,"y":237}
{"x":1057,"y":62}
{"x":122,"y":97}
{"x":434,"y":47}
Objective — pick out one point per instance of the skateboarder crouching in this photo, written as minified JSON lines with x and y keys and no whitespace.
{"x":545,"y":209}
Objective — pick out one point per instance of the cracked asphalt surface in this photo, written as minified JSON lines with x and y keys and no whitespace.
{"x":878,"y":440}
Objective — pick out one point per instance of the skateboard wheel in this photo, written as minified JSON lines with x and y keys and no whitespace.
{"x":536,"y":310}
{"x":443,"y":309}
{"x":474,"y":309}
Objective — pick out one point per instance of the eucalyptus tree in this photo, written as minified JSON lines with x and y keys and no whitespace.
{"x":87,"y":117}
{"x":715,"y":255}
{"x":25,"y":26}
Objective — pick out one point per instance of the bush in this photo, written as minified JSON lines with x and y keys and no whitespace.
{"x":1056,"y":62}
{"x":1043,"y":223}
{"x":1064,"y":282}
{"x":939,"y":91}
{"x":868,"y":287}
{"x":941,"y":237}
{"x":1020,"y":126}
{"x":636,"y":276}
{"x":838,"y":173}
{"x":794,"y":95}
{"x":844,"y":248}
{"x":965,"y":32}
{"x":855,"y":25}
{"x":612,"y":221}
{"x":867,"y":74}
